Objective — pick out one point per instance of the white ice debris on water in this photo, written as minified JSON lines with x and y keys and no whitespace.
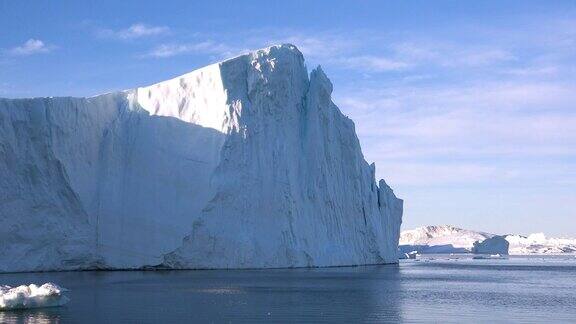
{"x":32,"y":296}
{"x":488,"y":257}
{"x":245,"y":163}
{"x":450,"y":239}
{"x":409,"y":255}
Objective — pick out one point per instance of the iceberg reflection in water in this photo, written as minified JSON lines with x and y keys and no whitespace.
{"x":443,"y":288}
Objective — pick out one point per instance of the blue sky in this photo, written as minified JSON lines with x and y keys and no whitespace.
{"x":468,"y":108}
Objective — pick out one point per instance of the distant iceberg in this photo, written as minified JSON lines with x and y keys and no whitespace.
{"x":538,"y":243}
{"x":440,"y":239}
{"x":451,"y":239}
{"x":494,"y":245}
{"x":32,"y":296}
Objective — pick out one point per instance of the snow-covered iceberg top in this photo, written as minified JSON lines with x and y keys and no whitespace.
{"x":32,"y":296}
{"x":451,"y":239}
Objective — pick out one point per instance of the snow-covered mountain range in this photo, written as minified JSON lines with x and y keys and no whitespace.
{"x":246,"y":163}
{"x":451,"y":239}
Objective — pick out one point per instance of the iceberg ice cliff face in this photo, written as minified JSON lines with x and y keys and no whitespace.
{"x":246,"y":163}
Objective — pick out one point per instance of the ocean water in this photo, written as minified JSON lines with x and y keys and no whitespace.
{"x":435,"y":289}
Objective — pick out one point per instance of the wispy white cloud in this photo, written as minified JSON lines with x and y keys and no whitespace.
{"x":367,"y":51}
{"x":446,"y":54}
{"x":481,"y":57}
{"x":325,"y":45}
{"x":135,"y":31}
{"x":30,"y":47}
{"x":466,"y":174}
{"x":370,"y":63}
{"x":533,"y":71}
{"x":335,"y":48}
{"x":487,"y":123}
{"x":204,"y":47}
{"x":426,"y":174}
{"x":347,"y":50}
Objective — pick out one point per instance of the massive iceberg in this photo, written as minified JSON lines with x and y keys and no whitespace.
{"x":246,"y":163}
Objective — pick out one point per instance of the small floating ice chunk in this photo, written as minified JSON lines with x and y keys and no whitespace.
{"x":487,"y":256}
{"x":32,"y":296}
{"x":409,"y":255}
{"x":412,"y":255}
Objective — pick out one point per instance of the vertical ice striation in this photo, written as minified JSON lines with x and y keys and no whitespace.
{"x":242,"y":164}
{"x":292,"y":188}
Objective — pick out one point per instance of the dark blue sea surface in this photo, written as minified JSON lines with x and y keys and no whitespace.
{"x":434,"y":289}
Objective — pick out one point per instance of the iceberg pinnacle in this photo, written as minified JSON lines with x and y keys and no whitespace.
{"x":246,"y":163}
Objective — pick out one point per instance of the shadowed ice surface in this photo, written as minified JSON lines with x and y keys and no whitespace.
{"x":456,"y":290}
